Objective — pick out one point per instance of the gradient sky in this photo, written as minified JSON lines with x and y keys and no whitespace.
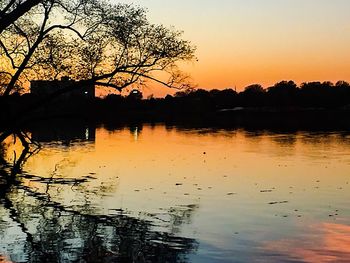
{"x":241,"y":42}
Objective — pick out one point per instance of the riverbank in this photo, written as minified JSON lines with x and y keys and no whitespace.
{"x":115,"y":110}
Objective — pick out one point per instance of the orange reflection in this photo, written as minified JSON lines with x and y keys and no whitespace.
{"x":332,"y":245}
{"x":4,"y":259}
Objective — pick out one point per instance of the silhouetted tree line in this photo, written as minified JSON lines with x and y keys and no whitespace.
{"x":284,"y":96}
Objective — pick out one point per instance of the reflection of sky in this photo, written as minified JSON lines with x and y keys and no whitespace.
{"x":11,"y":239}
{"x":246,"y":41}
{"x":330,"y":243}
{"x":238,"y":187}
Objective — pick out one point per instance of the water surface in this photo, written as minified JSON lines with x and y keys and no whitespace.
{"x":168,"y":194}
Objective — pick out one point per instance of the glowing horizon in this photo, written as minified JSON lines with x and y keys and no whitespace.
{"x":241,"y":42}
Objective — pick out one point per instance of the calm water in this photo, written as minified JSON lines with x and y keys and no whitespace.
{"x":160,"y":194}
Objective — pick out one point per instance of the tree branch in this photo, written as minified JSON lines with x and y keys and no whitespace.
{"x":7,"y":19}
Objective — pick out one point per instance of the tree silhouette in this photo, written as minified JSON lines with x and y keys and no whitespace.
{"x":316,"y":94}
{"x":91,"y":42}
{"x":253,"y":95}
{"x":283,"y":94}
{"x":57,"y":233}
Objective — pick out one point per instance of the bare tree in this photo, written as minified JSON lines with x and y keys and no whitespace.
{"x":93,"y":41}
{"x":21,"y":41}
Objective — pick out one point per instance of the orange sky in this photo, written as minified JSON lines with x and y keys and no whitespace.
{"x":240,"y":42}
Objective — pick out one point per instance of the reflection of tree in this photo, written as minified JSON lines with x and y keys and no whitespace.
{"x":58,"y":233}
{"x":180,"y":215}
{"x":288,"y":139}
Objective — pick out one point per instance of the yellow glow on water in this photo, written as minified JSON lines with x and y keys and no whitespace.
{"x":276,"y":190}
{"x":150,"y":162}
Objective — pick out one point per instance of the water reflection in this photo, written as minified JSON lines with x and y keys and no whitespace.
{"x":145,"y":193}
{"x":63,"y":131}
{"x":51,"y":232}
{"x":136,"y":130}
{"x":329,"y":243}
{"x":44,"y":230}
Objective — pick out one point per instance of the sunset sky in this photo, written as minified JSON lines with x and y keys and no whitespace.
{"x":240,"y":42}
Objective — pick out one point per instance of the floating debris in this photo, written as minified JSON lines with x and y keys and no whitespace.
{"x":281,"y":202}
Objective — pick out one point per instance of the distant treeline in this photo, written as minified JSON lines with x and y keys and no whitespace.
{"x":284,"y":94}
{"x":284,"y":97}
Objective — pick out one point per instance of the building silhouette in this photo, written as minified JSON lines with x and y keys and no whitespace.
{"x":48,"y":87}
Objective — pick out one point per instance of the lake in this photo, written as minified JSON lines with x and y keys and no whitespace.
{"x":157,"y":193}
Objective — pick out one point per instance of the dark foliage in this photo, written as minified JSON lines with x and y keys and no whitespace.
{"x":284,"y":101}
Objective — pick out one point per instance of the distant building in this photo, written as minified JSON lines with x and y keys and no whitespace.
{"x":47,"y":87}
{"x":135,"y":94}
